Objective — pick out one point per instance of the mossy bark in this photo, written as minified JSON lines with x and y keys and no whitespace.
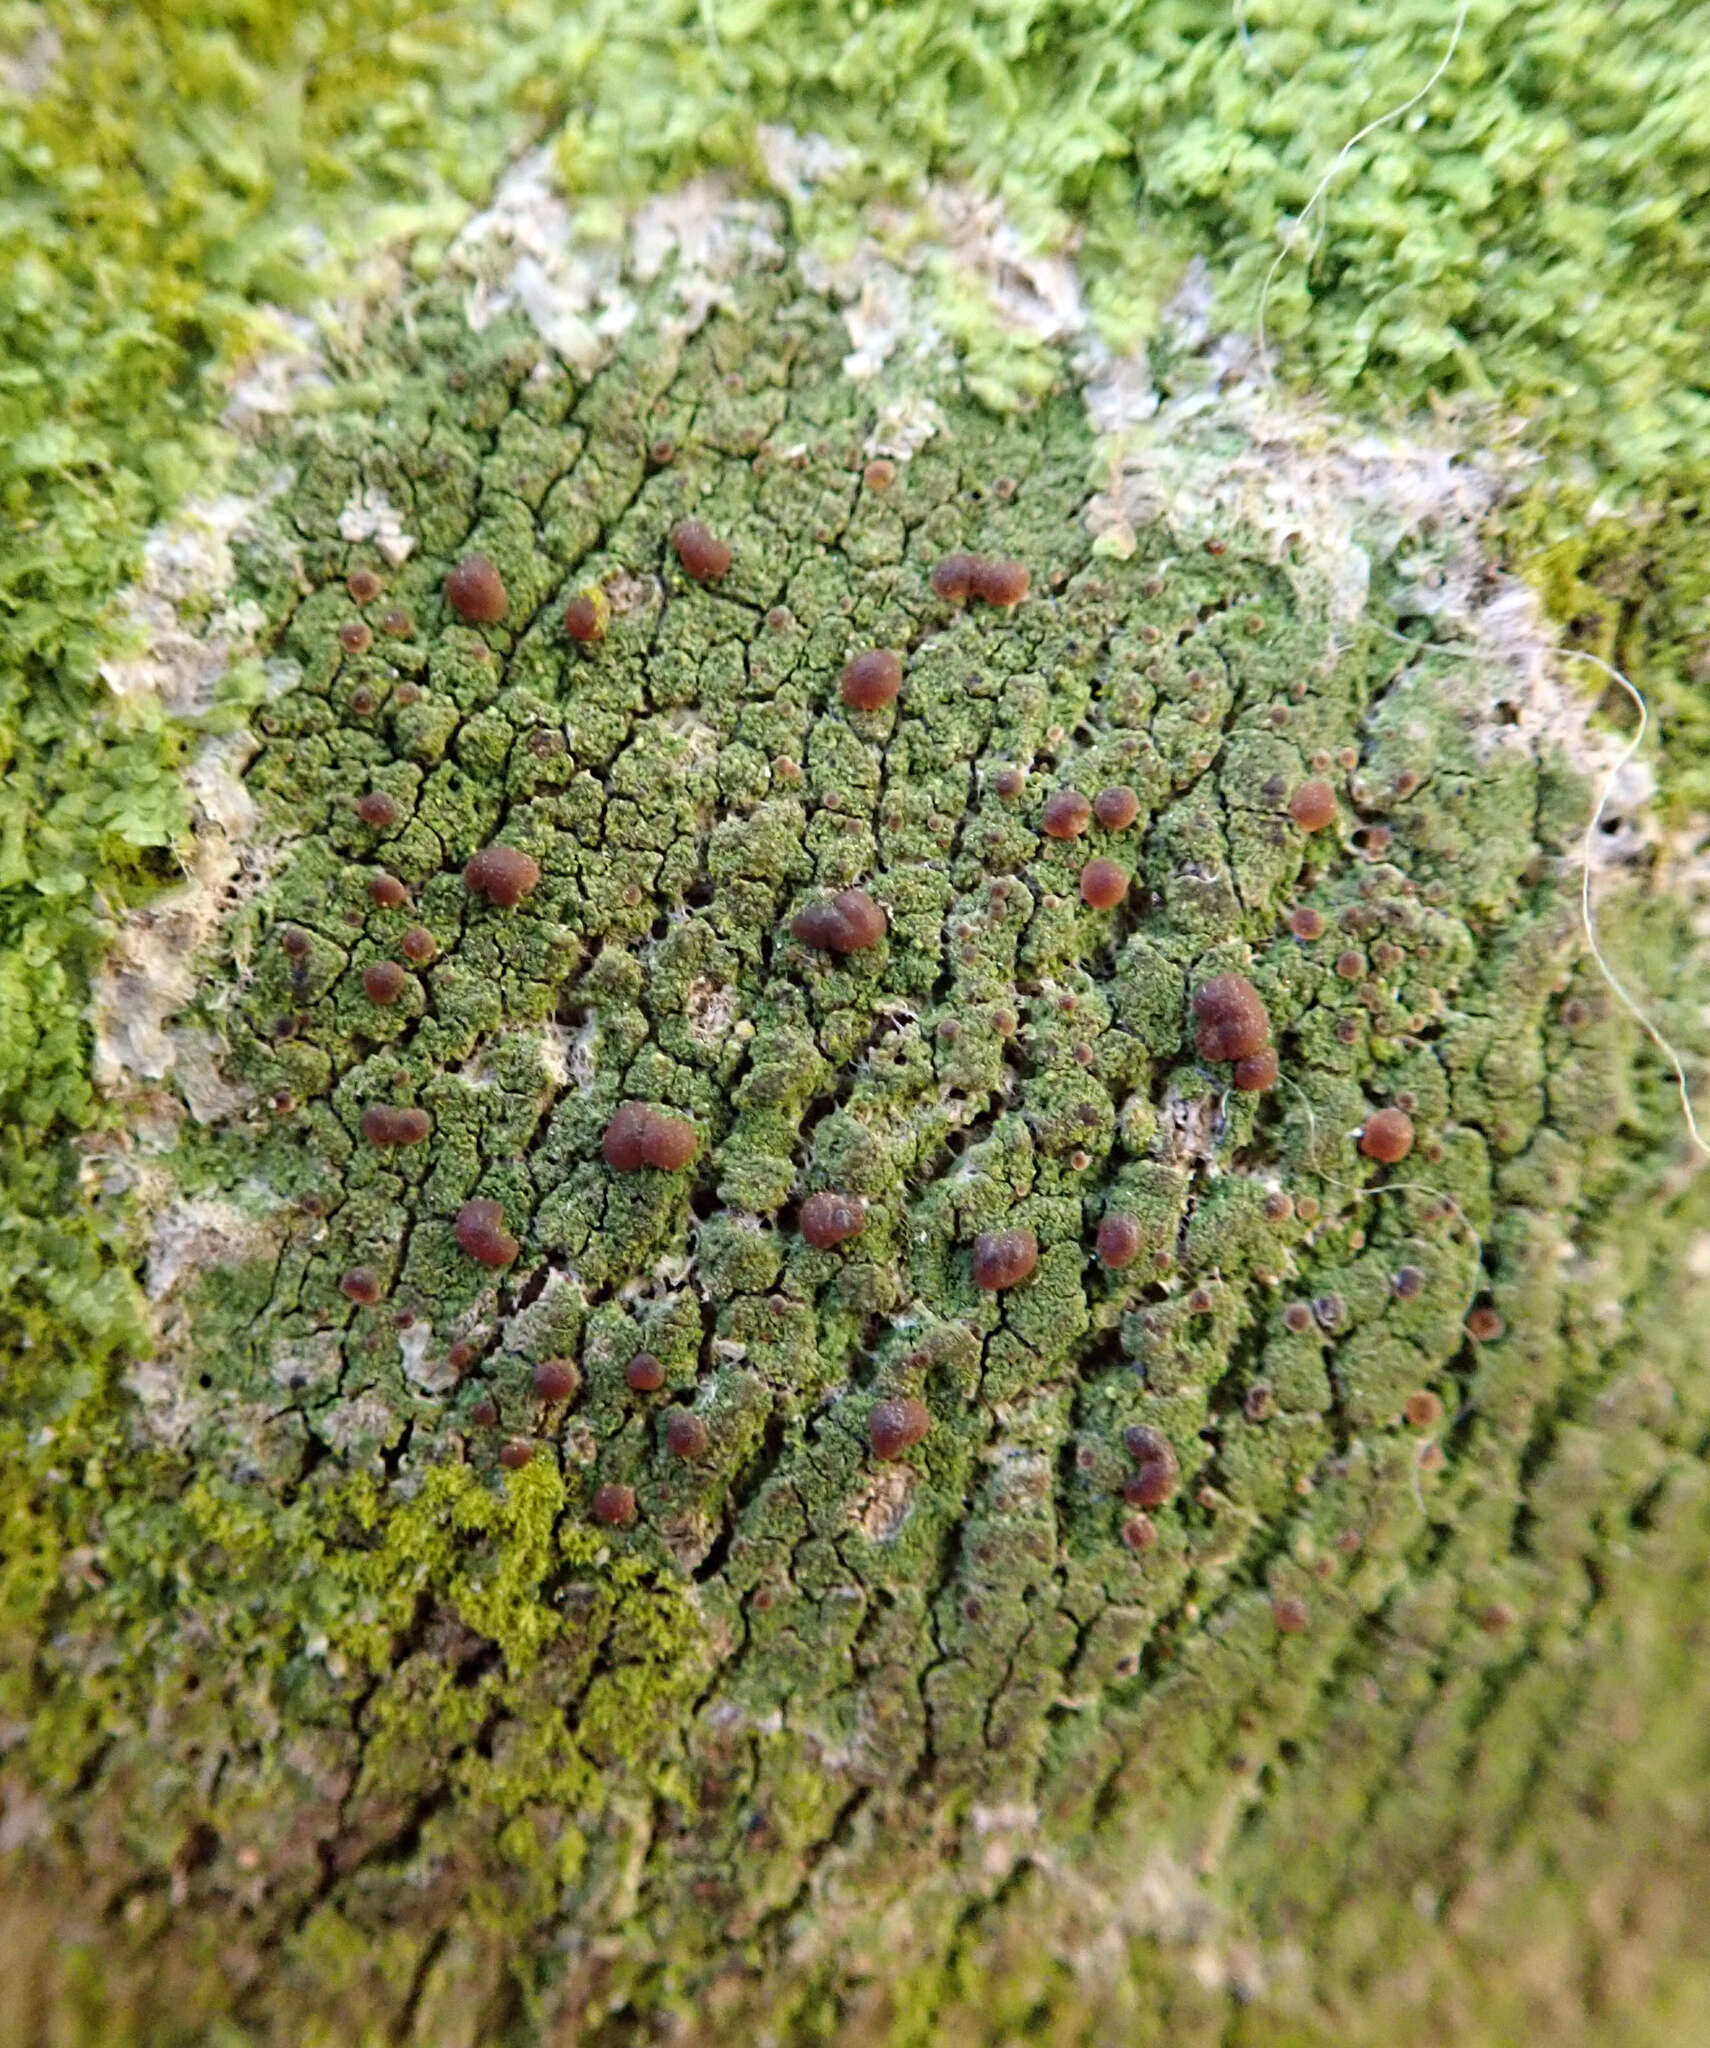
{"x":341,"y":1715}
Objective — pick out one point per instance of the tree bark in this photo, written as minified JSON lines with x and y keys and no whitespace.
{"x":1157,"y":1557}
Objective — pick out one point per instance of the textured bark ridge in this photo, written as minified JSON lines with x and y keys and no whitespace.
{"x":645,"y":1608}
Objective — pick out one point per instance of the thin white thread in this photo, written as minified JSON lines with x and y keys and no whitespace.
{"x":1388,"y":1187}
{"x":1353,"y":142}
{"x":1587,"y":917}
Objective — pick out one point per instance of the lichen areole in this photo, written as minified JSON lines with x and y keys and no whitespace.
{"x":1230,"y":1020}
{"x":870,"y":681}
{"x":503,"y":874}
{"x":896,"y":1426}
{"x":480,"y":1231}
{"x":703,"y":555}
{"x":828,"y":1219}
{"x":384,"y":1126}
{"x":1157,"y":1472}
{"x":476,"y":592}
{"x":1004,"y":1258}
{"x":1387,"y":1136}
{"x":850,"y":923}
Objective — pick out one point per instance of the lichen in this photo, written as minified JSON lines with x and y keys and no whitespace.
{"x":311,"y":1704}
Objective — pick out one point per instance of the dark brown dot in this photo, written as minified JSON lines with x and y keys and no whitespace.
{"x":480,"y":1231}
{"x":502,"y":874}
{"x":953,"y":577}
{"x":1065,"y":814}
{"x":485,"y":1412}
{"x":1257,"y":1072}
{"x":362,"y":1285}
{"x":1313,"y":806}
{"x":644,"y":1373}
{"x":1257,"y":1402}
{"x":400,"y":625}
{"x":384,"y":1126}
{"x":897,"y":1426}
{"x":1116,"y":808}
{"x":1424,"y":1410}
{"x":1230,"y":1020}
{"x":363,"y":585}
{"x":850,"y":923}
{"x":1104,"y":883}
{"x":1214,"y":546}
{"x":1576,"y":1013}
{"x":294,"y":942}
{"x":828,"y":1219}
{"x":1000,"y":583}
{"x":1004,"y":1258}
{"x":1297,"y":1316}
{"x":1140,"y":1532}
{"x":1290,"y":1614}
{"x":703,"y":555}
{"x":1407,"y":781}
{"x":1330,"y":1311}
{"x":383,"y":982}
{"x":1156,"y":1473}
{"x":587,"y":615}
{"x":1117,"y":1242}
{"x":475,"y":591}
{"x":1307,"y":1208}
{"x":879,"y":475}
{"x":872,"y":680}
{"x":1278,"y":1207}
{"x":1484,"y":1325}
{"x":1497,"y":1619}
{"x":354,"y":637}
{"x":462,"y":1355}
{"x":377,"y":809}
{"x":686,"y":1434}
{"x":556,"y":1379}
{"x":671,"y":1141}
{"x":614,"y":1505}
{"x":364,"y":702}
{"x":515,"y":1455}
{"x":1009,"y":782}
{"x":1388,"y":1136}
{"x":1350,"y":965}
{"x":1347,"y":1030}
{"x":388,"y":892}
{"x":418,"y":944}
{"x":1306,"y":923}
{"x":625,"y":1141}
{"x":1407,"y":1282}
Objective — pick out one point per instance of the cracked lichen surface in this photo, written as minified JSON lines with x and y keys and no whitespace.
{"x":404,"y":1740}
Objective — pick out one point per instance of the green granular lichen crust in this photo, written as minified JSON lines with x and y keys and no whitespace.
{"x":337,"y":1728}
